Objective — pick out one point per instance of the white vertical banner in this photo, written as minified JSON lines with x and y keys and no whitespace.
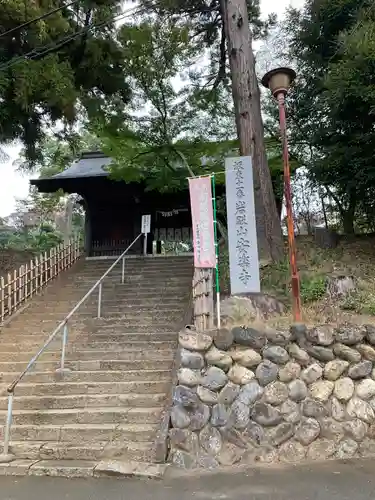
{"x":242,"y":236}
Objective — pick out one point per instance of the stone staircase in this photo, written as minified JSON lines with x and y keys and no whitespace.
{"x":110,"y":405}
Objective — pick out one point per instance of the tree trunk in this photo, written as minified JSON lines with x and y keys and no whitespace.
{"x":246,"y":97}
{"x":349,"y":214}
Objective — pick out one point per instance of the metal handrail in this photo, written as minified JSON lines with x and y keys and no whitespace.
{"x":5,"y":456}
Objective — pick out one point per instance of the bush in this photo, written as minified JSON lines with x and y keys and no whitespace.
{"x":313,"y":288}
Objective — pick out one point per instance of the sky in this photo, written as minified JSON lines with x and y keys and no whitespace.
{"x":16,"y":185}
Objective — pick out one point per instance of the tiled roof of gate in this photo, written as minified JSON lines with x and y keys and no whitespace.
{"x":89,"y":165}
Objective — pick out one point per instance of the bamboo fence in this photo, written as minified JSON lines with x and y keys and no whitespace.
{"x":203,"y":299}
{"x":29,"y":279}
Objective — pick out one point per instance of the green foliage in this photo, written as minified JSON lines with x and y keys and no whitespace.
{"x":313,"y":288}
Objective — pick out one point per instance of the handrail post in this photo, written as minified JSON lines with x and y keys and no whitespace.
{"x":6,"y":457}
{"x":123,"y":270}
{"x":63,"y":349}
{"x":100,"y":300}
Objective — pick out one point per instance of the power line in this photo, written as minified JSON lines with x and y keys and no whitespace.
{"x":35,"y":20}
{"x":55,"y":45}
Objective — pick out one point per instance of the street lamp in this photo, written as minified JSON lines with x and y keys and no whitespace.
{"x":278,"y":81}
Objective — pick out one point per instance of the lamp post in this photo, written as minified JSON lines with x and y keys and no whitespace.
{"x":278,"y":81}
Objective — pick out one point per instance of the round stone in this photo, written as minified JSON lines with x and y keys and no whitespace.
{"x":321,"y":449}
{"x":179,"y":417}
{"x":183,"y":439}
{"x":191,"y":359}
{"x":239,"y":415}
{"x":297,"y":390}
{"x":321,"y":390}
{"x":289,"y":372}
{"x":265,"y":414}
{"x":183,"y":459}
{"x":290,"y":411}
{"x":357,"y":408}
{"x":347,"y":353}
{"x":256,"y":433}
{"x":214,"y":379}
{"x":307,"y":431}
{"x":223,"y":338}
{"x":245,"y":357}
{"x":360,"y":370}
{"x":276,"y":354}
{"x":229,"y":393}
{"x":315,"y":409}
{"x":320,"y":353}
{"x":185,"y":397}
{"x":366,"y":389}
{"x":350,"y":334}
{"x":344,"y":389}
{"x":334,"y":369}
{"x":292,"y":452}
{"x":298,"y":330}
{"x":347,"y":449}
{"x":206,"y":396}
{"x":281,"y":433}
{"x":238,"y":374}
{"x":218,"y":358}
{"x":299,"y":354}
{"x":188,"y":377}
{"x":194,"y":341}
{"x":266,"y":372}
{"x":367,"y":351}
{"x":312,"y":373}
{"x":370,"y":333}
{"x":331,"y":429}
{"x":199,"y":417}
{"x":355,"y":429}
{"x":250,"y":393}
{"x":275,"y":393}
{"x":338,"y":410}
{"x":278,"y":337}
{"x":249,"y":337}
{"x":367,"y":448}
{"x":219,"y":415}
{"x":210,"y":440}
{"x":321,"y":335}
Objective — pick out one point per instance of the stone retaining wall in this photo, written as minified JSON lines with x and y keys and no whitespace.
{"x":246,"y":396}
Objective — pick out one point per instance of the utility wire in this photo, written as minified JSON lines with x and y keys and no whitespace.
{"x":55,"y":45}
{"x":43,"y":16}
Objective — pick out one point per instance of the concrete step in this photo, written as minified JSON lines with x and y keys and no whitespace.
{"x":120,"y":344}
{"x":52,"y":388}
{"x":97,"y":376}
{"x":83,"y":433}
{"x":107,"y":415}
{"x":102,"y":401}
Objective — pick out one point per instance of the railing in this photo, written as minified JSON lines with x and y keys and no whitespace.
{"x":62,"y":326}
{"x":29,"y":279}
{"x":203,"y":300}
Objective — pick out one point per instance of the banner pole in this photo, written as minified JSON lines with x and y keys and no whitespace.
{"x":218,"y":312}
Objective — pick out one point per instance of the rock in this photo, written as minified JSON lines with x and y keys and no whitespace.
{"x":298,"y":331}
{"x":367,"y":448}
{"x":297,"y":390}
{"x":192,"y":360}
{"x":240,"y":375}
{"x":290,"y":411}
{"x":183,"y":459}
{"x":360,"y":409}
{"x":275,"y":393}
{"x":331,"y":429}
{"x":320,"y":353}
{"x":206,"y":396}
{"x":245,"y":357}
{"x":367,"y":351}
{"x":281,"y":338}
{"x":315,"y":409}
{"x":266,"y":372}
{"x":214,"y":379}
{"x":219,"y":415}
{"x":233,"y":436}
{"x":370,"y":333}
{"x":199,"y":417}
{"x":250,"y":393}
{"x":344,"y":389}
{"x":347,"y":449}
{"x":366,"y":389}
{"x":194,"y":341}
{"x":188,"y":377}
{"x":321,"y":390}
{"x":292,"y":452}
{"x":338,"y":410}
{"x":206,"y":461}
{"x":321,"y":335}
{"x":183,"y":439}
{"x":299,"y":354}
{"x":218,"y":358}
{"x":289,"y":372}
{"x":256,"y":433}
{"x":347,"y":353}
{"x":307,"y":431}
{"x":312,"y":373}
{"x":210,"y":440}
{"x":281,"y":433}
{"x":249,"y":337}
{"x":276,"y":354}
{"x":321,"y":449}
{"x":355,"y":429}
{"x":179,"y":418}
{"x":265,"y":414}
{"x":350,"y":334}
{"x":360,"y":370}
{"x":185,"y":397}
{"x":229,"y":454}
{"x":223,"y":338}
{"x":340,"y":286}
{"x":239,"y":415}
{"x":254,"y":455}
{"x":229,"y":393}
{"x":334,"y":369}
{"x":244,"y":310}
